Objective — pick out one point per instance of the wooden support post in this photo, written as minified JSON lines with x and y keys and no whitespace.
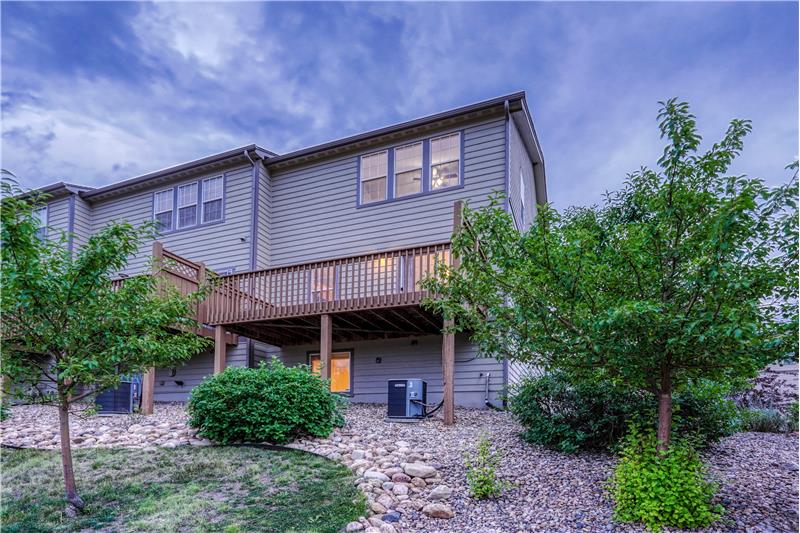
{"x":448,"y":339}
{"x":148,"y":383}
{"x":219,"y":349}
{"x":325,"y":342}
{"x":448,"y":374}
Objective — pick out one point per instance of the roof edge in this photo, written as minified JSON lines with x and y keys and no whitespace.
{"x":386,"y":130}
{"x":252,"y":149}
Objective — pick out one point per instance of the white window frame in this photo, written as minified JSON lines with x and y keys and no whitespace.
{"x":204,"y":200}
{"x":361,"y":179}
{"x":171,"y":209}
{"x":179,"y":206}
{"x":42,"y":213}
{"x":421,"y":168}
{"x":431,"y":164}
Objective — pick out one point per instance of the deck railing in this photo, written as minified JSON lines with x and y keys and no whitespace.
{"x":180,"y":273}
{"x":369,"y":281}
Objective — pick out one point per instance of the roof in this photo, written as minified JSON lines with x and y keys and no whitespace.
{"x":513,"y":103}
{"x":145,"y":180}
{"x":322,"y":149}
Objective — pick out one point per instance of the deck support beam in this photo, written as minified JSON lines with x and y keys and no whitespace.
{"x":148,"y":383}
{"x":448,"y":338}
{"x":448,"y":374}
{"x":219,"y":349}
{"x":325,"y":344}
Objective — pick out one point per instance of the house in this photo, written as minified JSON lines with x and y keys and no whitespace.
{"x":320,"y":250}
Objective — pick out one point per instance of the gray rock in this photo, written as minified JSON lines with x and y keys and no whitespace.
{"x":420,"y":470}
{"x":400,"y":490}
{"x":440,"y":492}
{"x":374,"y":474}
{"x":353,"y":526}
{"x":358,"y":455}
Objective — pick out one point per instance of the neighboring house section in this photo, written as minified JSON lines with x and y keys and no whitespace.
{"x":322,"y":250}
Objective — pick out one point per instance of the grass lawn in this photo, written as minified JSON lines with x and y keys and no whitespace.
{"x":228,"y":489}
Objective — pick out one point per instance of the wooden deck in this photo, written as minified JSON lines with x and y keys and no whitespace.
{"x":348,"y":285}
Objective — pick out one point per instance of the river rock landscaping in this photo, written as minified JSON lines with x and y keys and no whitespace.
{"x":413,"y":474}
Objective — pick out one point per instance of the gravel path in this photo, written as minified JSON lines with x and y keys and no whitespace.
{"x":552,"y":492}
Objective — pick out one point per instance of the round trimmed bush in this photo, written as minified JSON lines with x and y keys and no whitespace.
{"x":272,"y":403}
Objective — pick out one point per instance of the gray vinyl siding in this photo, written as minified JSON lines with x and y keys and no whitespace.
{"x":220,"y":246}
{"x":193,"y":372}
{"x":411,"y":358}
{"x":520,"y":163}
{"x":264,"y":201}
{"x":57,"y":219}
{"x":315,"y":216}
{"x":82,"y":224}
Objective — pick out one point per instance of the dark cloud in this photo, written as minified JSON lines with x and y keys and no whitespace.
{"x":102,"y":92}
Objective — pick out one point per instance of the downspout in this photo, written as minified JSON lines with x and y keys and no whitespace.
{"x":253,"y":242}
{"x":71,"y":224}
{"x":507,"y":191}
{"x":254,"y":209}
{"x":486,"y":401}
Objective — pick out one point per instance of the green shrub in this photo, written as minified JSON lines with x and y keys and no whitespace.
{"x":794,"y":416}
{"x":662,"y":488}
{"x":764,"y":420}
{"x":569,"y":417}
{"x":5,"y":410}
{"x":593,"y":416}
{"x":704,"y":412}
{"x":482,"y":472}
{"x":271,"y":403}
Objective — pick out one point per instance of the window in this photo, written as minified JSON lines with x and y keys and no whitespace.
{"x":41,"y":216}
{"x":408,"y":170}
{"x":212,"y":199}
{"x":445,"y":161}
{"x":162,"y":209}
{"x":374,"y":171}
{"x":187,"y":205}
{"x":522,"y":198}
{"x":341,"y":366}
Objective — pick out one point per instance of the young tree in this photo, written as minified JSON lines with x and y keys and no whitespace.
{"x":684,"y":273}
{"x":67,"y":331}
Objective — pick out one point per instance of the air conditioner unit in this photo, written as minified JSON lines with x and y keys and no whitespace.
{"x":122,"y":399}
{"x":407,"y":398}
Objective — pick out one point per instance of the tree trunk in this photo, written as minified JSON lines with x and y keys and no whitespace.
{"x":75,"y":501}
{"x":664,"y":409}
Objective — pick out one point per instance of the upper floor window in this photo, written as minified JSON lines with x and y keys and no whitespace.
{"x":374,"y":177}
{"x":408,"y":170}
{"x":162,"y":209}
{"x":213,"y":193}
{"x":40,"y":215}
{"x":445,"y":161}
{"x":187,"y":205}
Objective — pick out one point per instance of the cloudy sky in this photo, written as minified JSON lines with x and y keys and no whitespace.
{"x":97,"y":92}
